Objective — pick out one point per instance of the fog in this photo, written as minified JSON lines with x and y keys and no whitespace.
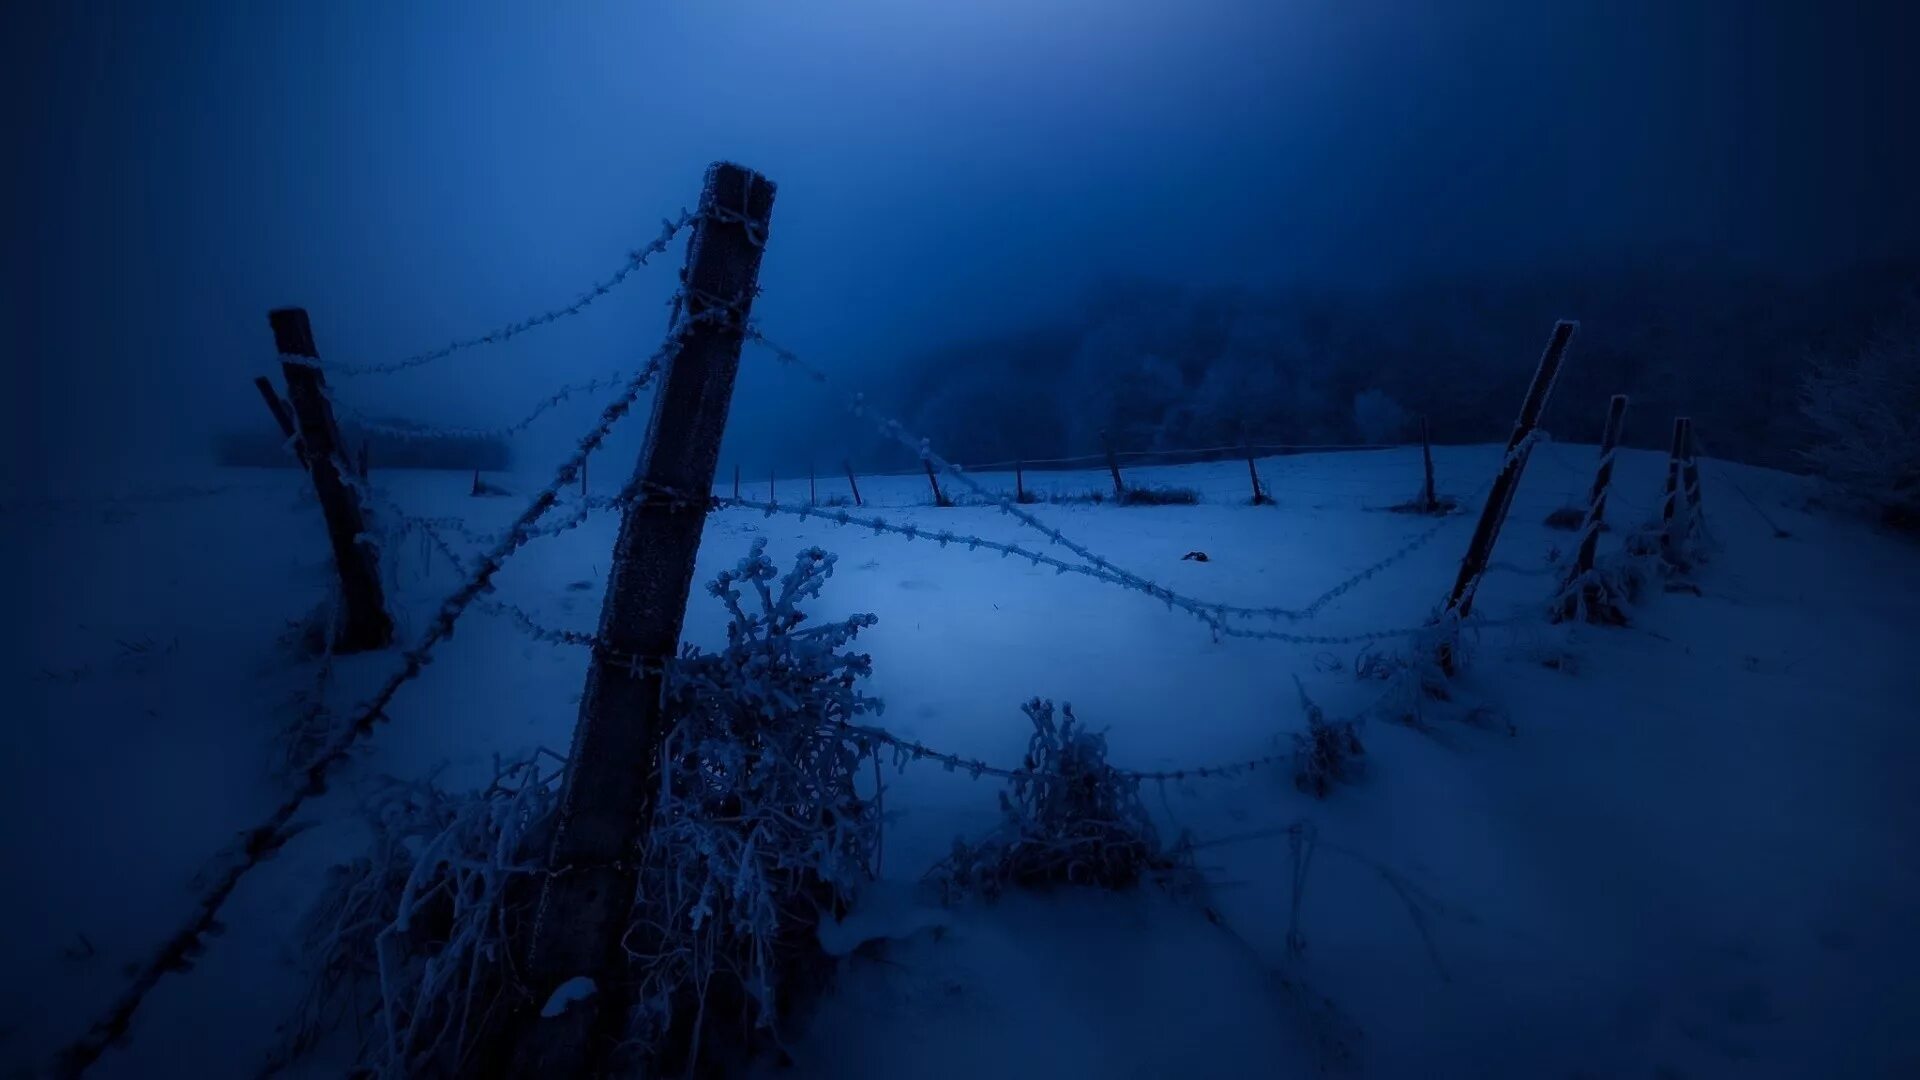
{"x":416,"y":173}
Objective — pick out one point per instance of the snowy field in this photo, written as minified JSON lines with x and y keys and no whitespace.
{"x":1683,"y":849}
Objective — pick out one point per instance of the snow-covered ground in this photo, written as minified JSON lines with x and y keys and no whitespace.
{"x":1681,"y":849}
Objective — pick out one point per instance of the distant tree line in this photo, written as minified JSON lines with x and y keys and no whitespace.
{"x":1166,"y":366}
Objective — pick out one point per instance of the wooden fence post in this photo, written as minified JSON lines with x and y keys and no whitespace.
{"x":772,"y":486}
{"x":366,"y":624}
{"x":1583,"y":560}
{"x":1500,"y":497}
{"x":1113,"y":466}
{"x":1429,"y":499}
{"x":1690,"y":484}
{"x":852,"y":483}
{"x":609,"y":791}
{"x":1020,"y":481}
{"x":1675,"y":492}
{"x":813,"y":490}
{"x":1260,"y":497}
{"x":282,"y":416}
{"x":939,"y":497}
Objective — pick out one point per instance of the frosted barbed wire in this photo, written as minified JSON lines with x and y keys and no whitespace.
{"x":266,"y":839}
{"x":895,"y":430}
{"x":364,"y":423}
{"x":635,"y":260}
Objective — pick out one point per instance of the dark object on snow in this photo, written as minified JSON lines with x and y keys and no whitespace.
{"x":1566,"y":517}
{"x":1195,"y":556}
{"x":481,"y":487}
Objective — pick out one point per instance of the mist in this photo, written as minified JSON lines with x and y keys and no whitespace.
{"x":948,"y":173}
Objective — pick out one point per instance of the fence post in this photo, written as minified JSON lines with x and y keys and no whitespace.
{"x":1019,"y":481}
{"x":1690,"y":484}
{"x":813,"y":491}
{"x":1260,"y":498}
{"x":939,"y":497}
{"x":1113,"y":466}
{"x":852,"y":483}
{"x":1583,"y":559}
{"x":366,"y":625}
{"x":736,"y":483}
{"x":1675,"y":492}
{"x":772,"y":488}
{"x":1430,"y":500}
{"x":1500,"y":497}
{"x":281,"y":415}
{"x":608,"y":794}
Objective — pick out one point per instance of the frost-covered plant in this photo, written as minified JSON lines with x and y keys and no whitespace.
{"x":759,"y":829}
{"x":1607,"y":593}
{"x":1414,"y":676}
{"x":412,"y":940}
{"x":1328,"y":752}
{"x":1067,"y":818}
{"x":1165,"y":495}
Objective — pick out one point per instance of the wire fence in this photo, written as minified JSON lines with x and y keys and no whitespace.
{"x":543,"y":515}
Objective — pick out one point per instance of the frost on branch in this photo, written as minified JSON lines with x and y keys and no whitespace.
{"x":759,"y":831}
{"x":1067,"y":818}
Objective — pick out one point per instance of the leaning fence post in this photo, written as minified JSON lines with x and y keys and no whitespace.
{"x":1260,"y":498}
{"x":608,"y":794}
{"x":1578,"y":591}
{"x":1113,"y":466}
{"x":366,"y":625}
{"x":282,"y":416}
{"x":939,"y":497}
{"x":852,"y":483}
{"x":1429,"y":500}
{"x":1690,"y":484}
{"x":1675,"y":492}
{"x":1500,"y":497}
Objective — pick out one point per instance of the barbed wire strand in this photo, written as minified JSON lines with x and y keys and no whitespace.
{"x":266,"y":839}
{"x":635,"y":260}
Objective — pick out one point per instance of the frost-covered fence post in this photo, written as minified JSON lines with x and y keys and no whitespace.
{"x":1113,"y":466}
{"x":1260,"y":497}
{"x":282,"y":417}
{"x":1583,"y":559}
{"x":1500,"y":497}
{"x":939,"y":497}
{"x":852,"y":483}
{"x":1690,"y":483}
{"x":1676,"y":493}
{"x":366,"y":624}
{"x":1429,"y":501}
{"x":612,"y":771}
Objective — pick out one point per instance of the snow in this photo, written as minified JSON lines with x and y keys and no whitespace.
{"x":1691,"y":851}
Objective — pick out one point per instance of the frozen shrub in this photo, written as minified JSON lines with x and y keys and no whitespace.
{"x":757,"y":829}
{"x":1328,"y":752}
{"x":1067,"y":818}
{"x":1160,"y":496}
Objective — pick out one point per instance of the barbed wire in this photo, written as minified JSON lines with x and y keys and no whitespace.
{"x":893,"y":429}
{"x":365,"y":423}
{"x":264,"y":840}
{"x":635,"y":260}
